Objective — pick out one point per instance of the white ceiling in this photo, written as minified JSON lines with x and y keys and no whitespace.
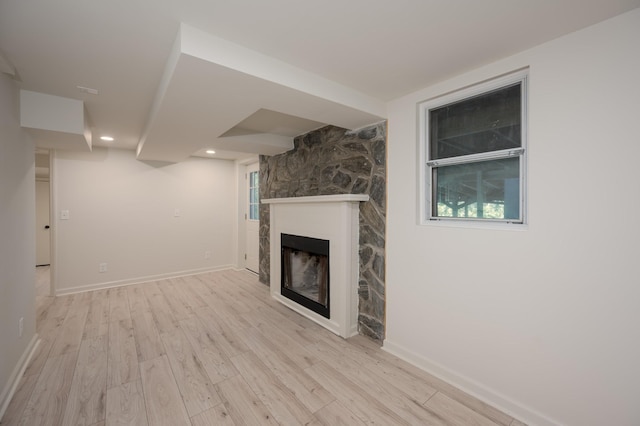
{"x":173,"y":90}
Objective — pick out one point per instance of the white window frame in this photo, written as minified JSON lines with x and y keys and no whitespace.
{"x":425,"y":166}
{"x":257,"y":189}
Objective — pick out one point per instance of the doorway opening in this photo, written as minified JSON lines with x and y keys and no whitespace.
{"x":44,"y":217}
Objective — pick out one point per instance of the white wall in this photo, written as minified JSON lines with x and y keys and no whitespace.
{"x":121,"y":212}
{"x":543,"y":322}
{"x":17,"y":241}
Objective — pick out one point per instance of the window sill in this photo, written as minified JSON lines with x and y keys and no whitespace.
{"x":476,"y":224}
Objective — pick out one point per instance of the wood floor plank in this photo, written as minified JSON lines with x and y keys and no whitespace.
{"x":19,"y":401}
{"x":413,"y":387}
{"x":126,"y":406}
{"x":97,"y":323}
{"x":86,"y":404}
{"x":308,"y":391}
{"x":244,"y":406}
{"x":72,"y":329}
{"x":43,"y":289}
{"x":230,"y":342}
{"x":118,"y":304}
{"x":179,"y":291}
{"x":278,"y":335}
{"x":41,"y":353}
{"x":226,"y":320}
{"x":164,"y":319}
{"x":54,"y":315}
{"x":148,"y":342}
{"x":198,"y":286}
{"x":336,"y":414}
{"x":138,"y":303}
{"x":217,"y":415}
{"x":289,"y":326}
{"x":367,"y":409}
{"x":232,"y":296}
{"x":122,"y":366}
{"x":48,"y":400}
{"x":174,"y":299}
{"x":161,"y":395}
{"x":146,"y":335}
{"x":456,"y":413}
{"x":281,"y":402}
{"x":396,"y":400}
{"x":261,"y":294}
{"x":198,"y":393}
{"x":43,"y":308}
{"x":192,"y":290}
{"x":372,"y":349}
{"x":206,"y":345}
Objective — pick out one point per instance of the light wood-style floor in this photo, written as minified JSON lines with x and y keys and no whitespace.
{"x":214,"y":349}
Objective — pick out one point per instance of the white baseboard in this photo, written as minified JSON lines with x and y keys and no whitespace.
{"x":14,"y":380}
{"x":139,"y":280}
{"x":473,"y":388}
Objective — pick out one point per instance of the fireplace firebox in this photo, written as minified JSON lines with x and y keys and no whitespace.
{"x":305,"y":272}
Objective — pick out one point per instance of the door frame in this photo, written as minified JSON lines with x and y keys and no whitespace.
{"x":249,"y":168}
{"x":241,"y":207}
{"x":53,"y":225}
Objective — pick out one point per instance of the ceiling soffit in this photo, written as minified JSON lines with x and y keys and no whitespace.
{"x":219,"y":95}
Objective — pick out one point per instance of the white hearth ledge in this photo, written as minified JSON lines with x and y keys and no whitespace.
{"x":326,"y":217}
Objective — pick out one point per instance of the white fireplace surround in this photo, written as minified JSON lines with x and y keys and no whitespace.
{"x":327,"y":217}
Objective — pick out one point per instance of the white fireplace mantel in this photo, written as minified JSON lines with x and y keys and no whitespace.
{"x":338,"y":198}
{"x":327,"y":217}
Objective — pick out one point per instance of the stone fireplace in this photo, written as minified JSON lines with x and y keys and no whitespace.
{"x":314,"y":258}
{"x":331,"y":161}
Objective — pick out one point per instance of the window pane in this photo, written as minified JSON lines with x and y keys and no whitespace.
{"x":484,"y":123}
{"x":254,"y":212}
{"x":483,"y":190}
{"x":253,"y":179}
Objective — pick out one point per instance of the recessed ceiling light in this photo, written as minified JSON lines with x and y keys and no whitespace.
{"x":210,"y":151}
{"x":106,"y":138}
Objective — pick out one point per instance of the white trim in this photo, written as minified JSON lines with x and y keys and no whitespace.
{"x":140,"y":280}
{"x":483,"y":156}
{"x":470,"y":386}
{"x":16,"y":375}
{"x":249,"y":238}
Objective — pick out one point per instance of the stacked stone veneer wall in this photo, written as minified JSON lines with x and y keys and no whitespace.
{"x":330,"y":161}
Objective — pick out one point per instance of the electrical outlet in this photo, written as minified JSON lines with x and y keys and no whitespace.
{"x":20,"y":326}
{"x":102,"y":267}
{"x":176,"y":212}
{"x":207,"y":254}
